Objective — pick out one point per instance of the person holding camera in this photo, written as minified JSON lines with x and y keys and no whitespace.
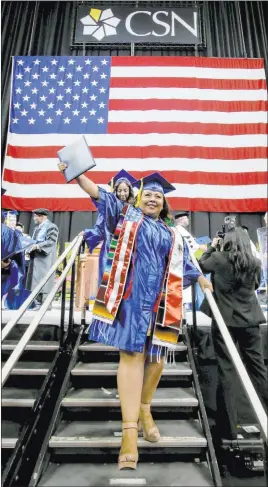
{"x":235,"y":275}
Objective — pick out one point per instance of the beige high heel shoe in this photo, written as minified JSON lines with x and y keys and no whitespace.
{"x":128,"y":460}
{"x":150,"y":433}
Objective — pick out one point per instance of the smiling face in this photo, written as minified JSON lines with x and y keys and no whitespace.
{"x":151,"y":203}
{"x":122,"y":191}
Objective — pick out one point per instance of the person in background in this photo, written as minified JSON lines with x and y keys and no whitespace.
{"x":43,"y":254}
{"x":121,"y":186}
{"x":13,"y":268}
{"x":235,"y":275}
{"x":11,"y":218}
{"x":127,"y":311}
{"x":182,"y":223}
{"x":254,"y":250}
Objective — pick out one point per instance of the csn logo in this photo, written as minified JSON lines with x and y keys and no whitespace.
{"x":167,"y":19}
{"x":138,"y":23}
{"x":100,"y":23}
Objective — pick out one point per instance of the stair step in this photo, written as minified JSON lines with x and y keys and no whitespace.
{"x":164,"y":397}
{"x":107,"y":434}
{"x":178,"y":474}
{"x":8,"y":443}
{"x":100,"y":347}
{"x":110,"y":368}
{"x":15,"y":397}
{"x":32,"y":345}
{"x":10,"y":431}
{"x":30,"y":368}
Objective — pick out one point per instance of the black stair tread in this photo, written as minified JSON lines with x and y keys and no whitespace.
{"x":112,"y":429}
{"x":177,"y":474}
{"x":32,"y":345}
{"x":101,"y":347}
{"x":101,"y":397}
{"x":110,"y":368}
{"x":13,"y":396}
{"x":33,"y":368}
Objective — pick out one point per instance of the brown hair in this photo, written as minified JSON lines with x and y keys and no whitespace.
{"x":131,"y":194}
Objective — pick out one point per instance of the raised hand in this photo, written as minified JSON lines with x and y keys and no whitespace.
{"x":62,"y":166}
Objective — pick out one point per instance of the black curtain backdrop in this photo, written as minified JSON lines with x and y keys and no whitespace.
{"x":232,"y":29}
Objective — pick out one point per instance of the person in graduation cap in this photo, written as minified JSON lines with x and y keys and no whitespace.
{"x":121,"y":186}
{"x":138,"y":308}
{"x":11,"y":218}
{"x":43,"y":254}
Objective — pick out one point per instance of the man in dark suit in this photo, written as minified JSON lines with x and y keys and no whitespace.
{"x":242,"y":314}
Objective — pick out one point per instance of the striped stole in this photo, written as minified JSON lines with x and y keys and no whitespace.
{"x":168,"y":307}
{"x":114,"y":278}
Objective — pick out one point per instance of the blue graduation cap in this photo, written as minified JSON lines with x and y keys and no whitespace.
{"x":154,"y":182}
{"x":6,"y":213}
{"x":203,"y":240}
{"x":3,"y":191}
{"x":121,"y":177}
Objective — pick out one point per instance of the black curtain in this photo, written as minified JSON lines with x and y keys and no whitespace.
{"x":232,"y":29}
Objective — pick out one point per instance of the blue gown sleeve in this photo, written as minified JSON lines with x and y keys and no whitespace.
{"x":109,"y":207}
{"x":94,"y":236}
{"x":190,"y":272}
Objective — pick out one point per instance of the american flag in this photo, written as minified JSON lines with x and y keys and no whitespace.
{"x":201,"y":122}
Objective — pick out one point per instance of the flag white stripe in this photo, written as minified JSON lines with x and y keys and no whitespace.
{"x":186,"y":72}
{"x":186,"y":116}
{"x":140,"y":140}
{"x":182,"y":190}
{"x":186,"y":94}
{"x":147,"y":164}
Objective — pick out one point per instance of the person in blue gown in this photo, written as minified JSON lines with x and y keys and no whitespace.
{"x":13,"y":269}
{"x":140,"y":263}
{"x":121,"y":185}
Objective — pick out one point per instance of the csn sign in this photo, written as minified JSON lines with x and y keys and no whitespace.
{"x":152,"y":25}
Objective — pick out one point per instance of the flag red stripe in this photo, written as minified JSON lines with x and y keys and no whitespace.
{"x":85,"y":204}
{"x":182,"y":61}
{"x":187,"y":128}
{"x":147,"y":151}
{"x":201,"y":105}
{"x":182,"y":177}
{"x":200,"y":83}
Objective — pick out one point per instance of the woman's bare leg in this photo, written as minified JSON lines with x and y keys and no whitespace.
{"x":129,"y":382}
{"x":152,"y":375}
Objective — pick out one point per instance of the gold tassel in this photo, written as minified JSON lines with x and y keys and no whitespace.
{"x":112,"y":185}
{"x":139,"y":194}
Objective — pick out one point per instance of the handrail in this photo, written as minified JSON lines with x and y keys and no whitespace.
{"x":240,"y":368}
{"x":6,"y":330}
{"x":39,"y":315}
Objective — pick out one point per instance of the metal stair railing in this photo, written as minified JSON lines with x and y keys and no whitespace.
{"x":245,"y":380}
{"x":12,"y":360}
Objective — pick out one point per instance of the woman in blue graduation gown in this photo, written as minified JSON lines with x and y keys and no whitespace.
{"x":121,"y":185}
{"x":139,"y":301}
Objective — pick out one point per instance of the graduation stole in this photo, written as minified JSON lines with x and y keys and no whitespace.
{"x":168,"y":307}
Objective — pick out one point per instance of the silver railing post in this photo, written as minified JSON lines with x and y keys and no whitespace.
{"x":6,"y":330}
{"x":13,"y":358}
